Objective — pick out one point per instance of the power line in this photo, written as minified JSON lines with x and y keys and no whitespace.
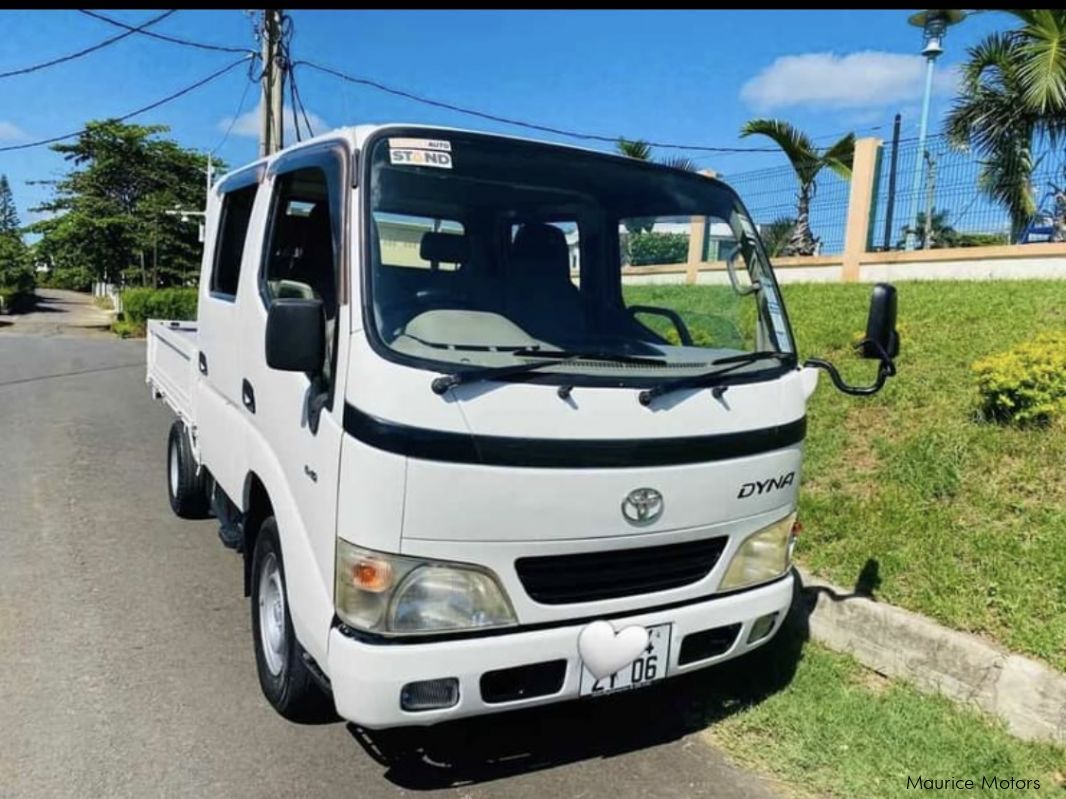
{"x":163,"y":37}
{"x":240,"y":107}
{"x":518,"y":122}
{"x":99,"y":46}
{"x":131,"y":114}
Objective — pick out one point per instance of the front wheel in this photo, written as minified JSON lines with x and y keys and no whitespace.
{"x":285,"y":678}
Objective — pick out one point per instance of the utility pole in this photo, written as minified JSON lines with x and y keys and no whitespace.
{"x":271,"y":107}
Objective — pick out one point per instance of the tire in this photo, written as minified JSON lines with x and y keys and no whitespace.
{"x":187,"y":490}
{"x":284,"y":676}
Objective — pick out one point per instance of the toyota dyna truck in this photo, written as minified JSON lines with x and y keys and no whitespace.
{"x":469,"y":465}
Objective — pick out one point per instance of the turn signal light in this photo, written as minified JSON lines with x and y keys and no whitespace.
{"x":372,"y":574}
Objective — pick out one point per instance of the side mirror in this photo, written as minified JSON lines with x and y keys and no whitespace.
{"x":881,"y":337}
{"x":296,"y":335}
{"x":881,"y":342}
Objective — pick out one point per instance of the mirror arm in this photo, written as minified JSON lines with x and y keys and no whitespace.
{"x":886,"y":370}
{"x":316,"y":401}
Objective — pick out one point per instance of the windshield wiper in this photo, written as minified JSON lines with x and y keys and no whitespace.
{"x":713,"y":376}
{"x":441,"y":384}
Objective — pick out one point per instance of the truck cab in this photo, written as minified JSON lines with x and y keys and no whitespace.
{"x":469,"y":466}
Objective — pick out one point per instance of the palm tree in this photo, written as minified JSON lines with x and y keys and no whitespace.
{"x":939,"y":230}
{"x":807,"y":162}
{"x":1013,"y":91}
{"x":776,"y":235}
{"x":642,"y":151}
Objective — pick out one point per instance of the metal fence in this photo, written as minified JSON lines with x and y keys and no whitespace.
{"x":954,"y":190}
{"x":771,"y":196}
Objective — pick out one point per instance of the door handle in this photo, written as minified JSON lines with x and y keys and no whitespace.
{"x":203,"y":363}
{"x":248,"y":396}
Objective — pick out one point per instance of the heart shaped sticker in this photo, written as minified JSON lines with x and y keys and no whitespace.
{"x":604,"y":651}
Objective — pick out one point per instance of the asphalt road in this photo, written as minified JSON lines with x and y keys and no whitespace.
{"x":126,"y":665}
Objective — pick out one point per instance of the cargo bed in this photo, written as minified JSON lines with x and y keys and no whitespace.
{"x":172,"y":357}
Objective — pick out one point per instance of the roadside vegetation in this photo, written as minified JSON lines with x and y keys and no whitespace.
{"x":838,"y":730}
{"x":141,"y":304}
{"x":915,"y":493}
{"x":16,"y":274}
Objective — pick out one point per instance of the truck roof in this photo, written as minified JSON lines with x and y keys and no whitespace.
{"x":356,"y":135}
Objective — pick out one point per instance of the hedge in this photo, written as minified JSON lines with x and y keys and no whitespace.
{"x":1027,"y":384}
{"x":140,"y":305}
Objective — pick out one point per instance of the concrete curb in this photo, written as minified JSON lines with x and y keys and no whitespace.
{"x":1029,"y":696}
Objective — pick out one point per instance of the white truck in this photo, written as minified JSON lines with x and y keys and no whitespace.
{"x":469,"y":466}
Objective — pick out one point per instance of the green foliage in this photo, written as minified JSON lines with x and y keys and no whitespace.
{"x":1012,"y":92}
{"x":775,"y":236}
{"x":141,"y":304}
{"x":648,"y":247}
{"x":1027,"y":384}
{"x":16,"y":275}
{"x":9,"y":218}
{"x":110,"y":211}
{"x":807,"y":162}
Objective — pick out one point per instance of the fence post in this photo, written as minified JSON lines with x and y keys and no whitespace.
{"x":697,"y":241}
{"x":697,"y":233}
{"x":860,"y":205}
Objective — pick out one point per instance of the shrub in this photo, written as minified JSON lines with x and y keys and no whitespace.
{"x":141,"y":304}
{"x":1027,"y":384}
{"x":657,"y":248}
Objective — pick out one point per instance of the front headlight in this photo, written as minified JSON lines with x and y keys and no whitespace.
{"x":765,"y":555}
{"x":396,"y":594}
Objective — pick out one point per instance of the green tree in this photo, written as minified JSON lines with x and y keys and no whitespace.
{"x":1013,"y":91}
{"x":110,"y":217}
{"x":15,"y":272}
{"x":775,"y":236}
{"x":938,"y":230}
{"x":807,"y":161}
{"x":9,"y":218}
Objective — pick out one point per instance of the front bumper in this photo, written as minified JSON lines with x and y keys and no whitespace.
{"x":367,"y":677}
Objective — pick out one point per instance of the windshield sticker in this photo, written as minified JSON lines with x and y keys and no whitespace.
{"x":773,"y":307}
{"x":421,"y":144}
{"x":441,"y":160}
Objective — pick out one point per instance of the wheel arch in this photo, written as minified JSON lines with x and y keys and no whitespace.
{"x":257,"y":507}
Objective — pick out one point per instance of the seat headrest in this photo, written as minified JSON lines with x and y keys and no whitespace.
{"x":541,"y":244}
{"x":448,"y":248}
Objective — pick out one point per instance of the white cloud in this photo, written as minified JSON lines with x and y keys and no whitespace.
{"x":866,"y":79}
{"x":247,"y":124}
{"x":9,"y":131}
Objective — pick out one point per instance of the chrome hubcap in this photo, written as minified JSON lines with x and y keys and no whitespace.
{"x":272,"y":615}
{"x":173,"y":469}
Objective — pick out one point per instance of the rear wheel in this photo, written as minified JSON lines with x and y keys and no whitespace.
{"x":284,"y":676}
{"x":186,"y":488}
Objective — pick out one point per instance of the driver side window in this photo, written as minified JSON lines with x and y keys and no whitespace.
{"x":299,"y":260}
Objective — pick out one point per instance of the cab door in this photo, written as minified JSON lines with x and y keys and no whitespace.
{"x":298,"y":417}
{"x":220,"y":416}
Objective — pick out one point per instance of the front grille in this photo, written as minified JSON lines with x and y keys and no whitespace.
{"x":589,"y":576}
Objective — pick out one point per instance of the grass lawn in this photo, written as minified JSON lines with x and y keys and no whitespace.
{"x":959,"y":519}
{"x":838,"y":730}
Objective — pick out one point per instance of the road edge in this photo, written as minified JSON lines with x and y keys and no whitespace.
{"x":1029,"y":696}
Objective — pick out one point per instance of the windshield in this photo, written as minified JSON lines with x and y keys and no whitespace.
{"x":486,"y":252}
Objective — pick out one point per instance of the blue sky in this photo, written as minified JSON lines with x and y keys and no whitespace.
{"x":692,"y":77}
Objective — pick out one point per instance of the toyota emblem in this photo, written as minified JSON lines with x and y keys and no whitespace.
{"x":643,"y":506}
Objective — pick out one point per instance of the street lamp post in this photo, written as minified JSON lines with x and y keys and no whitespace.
{"x":934,"y":25}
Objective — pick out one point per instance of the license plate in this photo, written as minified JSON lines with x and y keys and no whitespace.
{"x":646,"y":669}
